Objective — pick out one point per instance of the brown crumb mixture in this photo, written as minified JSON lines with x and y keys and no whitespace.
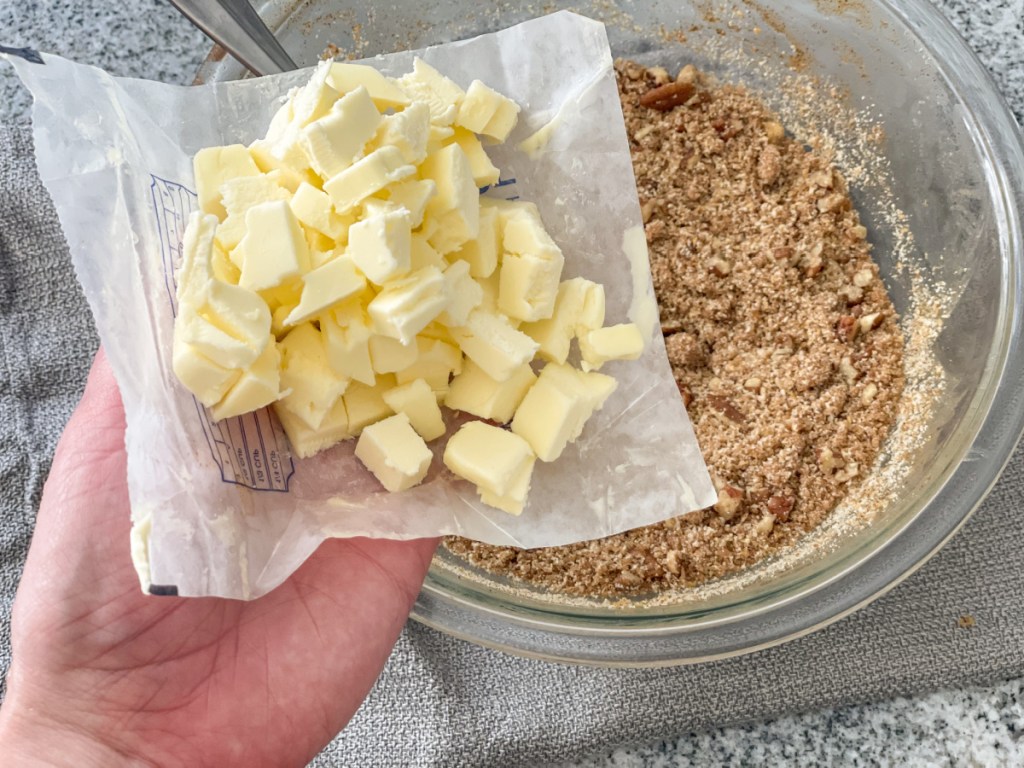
{"x":782,"y":338}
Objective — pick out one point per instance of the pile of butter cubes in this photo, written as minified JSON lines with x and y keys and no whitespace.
{"x":346,"y":270}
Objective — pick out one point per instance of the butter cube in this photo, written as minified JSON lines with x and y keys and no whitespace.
{"x":413,"y":196}
{"x":381,"y":245}
{"x":204,"y":378}
{"x":224,"y":269}
{"x":238,"y":196}
{"x":313,"y":384}
{"x":389,"y":355}
{"x":215,"y":165}
{"x":494,"y":345}
{"x":312,"y":207}
{"x":529,"y":285}
{"x":523,"y":233}
{"x":225,"y":323}
{"x":490,"y":286}
{"x":366,"y":177}
{"x":616,"y":342}
{"x":498,"y":462}
{"x":405,"y":306}
{"x":289,"y":177}
{"x":473,"y":391}
{"x":456,"y":206}
{"x":326,"y":286}
{"x":274,"y":248}
{"x":384,"y":91}
{"x":485,"y":111}
{"x":347,"y":332}
{"x":417,"y":401}
{"x":423,"y":254}
{"x":484,"y":172}
{"x":592,"y":315}
{"x":365,"y":405}
{"x":314,"y":99}
{"x":464,"y":294}
{"x":482,"y":252}
{"x":333,"y":141}
{"x":307,"y":441}
{"x":514,"y":500}
{"x":441,"y":95}
{"x":556,"y":408}
{"x":436,"y":360}
{"x":394,"y":453}
{"x":258,"y":386}
{"x":407,"y":131}
{"x":438,"y":137}
{"x":555,"y":333}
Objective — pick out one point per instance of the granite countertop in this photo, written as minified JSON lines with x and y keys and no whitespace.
{"x":978,"y":726}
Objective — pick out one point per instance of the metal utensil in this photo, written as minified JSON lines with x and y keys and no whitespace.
{"x":236,"y":26}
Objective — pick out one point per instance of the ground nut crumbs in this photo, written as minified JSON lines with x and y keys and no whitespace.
{"x":782,"y":339}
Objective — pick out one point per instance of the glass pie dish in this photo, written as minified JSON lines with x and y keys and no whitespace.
{"x":943,"y":210}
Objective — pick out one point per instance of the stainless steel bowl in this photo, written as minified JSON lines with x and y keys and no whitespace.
{"x":955,"y":167}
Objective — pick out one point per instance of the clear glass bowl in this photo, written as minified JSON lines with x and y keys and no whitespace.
{"x":956,"y":169}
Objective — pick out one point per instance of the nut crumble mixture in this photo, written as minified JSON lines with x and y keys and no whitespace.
{"x":780,"y":333}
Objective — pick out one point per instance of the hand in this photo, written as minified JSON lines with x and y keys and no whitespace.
{"x":103,"y":674}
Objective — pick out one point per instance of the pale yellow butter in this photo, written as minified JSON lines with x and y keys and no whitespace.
{"x":326,"y":286}
{"x":476,"y":393}
{"x":408,"y":131}
{"x":215,"y":165}
{"x":333,"y":141}
{"x":498,"y":462}
{"x":381,"y":245}
{"x":529,"y":285}
{"x":347,"y":332}
{"x":405,"y":306}
{"x":238,"y":196}
{"x":482,"y":252}
{"x":386,"y":94}
{"x":423,"y":254}
{"x":493,"y":344}
{"x":616,"y":342}
{"x":312,"y":386}
{"x":274,"y":247}
{"x":389,"y":355}
{"x":258,"y":386}
{"x":365,"y":405}
{"x":456,"y":206}
{"x":394,"y":453}
{"x":555,"y":334}
{"x":417,"y":401}
{"x":307,"y":441}
{"x":312,"y":207}
{"x":413,"y":196}
{"x":484,"y":172}
{"x":436,"y":361}
{"x":440,"y":94}
{"x":366,"y":177}
{"x":485,"y":111}
{"x":463,"y":292}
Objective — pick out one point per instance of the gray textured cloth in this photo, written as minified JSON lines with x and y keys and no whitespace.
{"x":443,"y":702}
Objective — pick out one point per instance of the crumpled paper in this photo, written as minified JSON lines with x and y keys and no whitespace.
{"x":223,"y":508}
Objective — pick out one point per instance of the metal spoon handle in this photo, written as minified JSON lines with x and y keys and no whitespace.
{"x":236,"y":26}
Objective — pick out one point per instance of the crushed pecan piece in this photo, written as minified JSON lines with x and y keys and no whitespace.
{"x":668,"y":96}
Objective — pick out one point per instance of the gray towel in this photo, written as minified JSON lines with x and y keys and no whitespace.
{"x":443,"y":702}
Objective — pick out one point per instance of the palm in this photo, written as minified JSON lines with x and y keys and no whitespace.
{"x":194,"y":681}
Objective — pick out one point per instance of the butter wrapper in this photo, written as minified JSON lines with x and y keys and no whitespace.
{"x":223,"y":508}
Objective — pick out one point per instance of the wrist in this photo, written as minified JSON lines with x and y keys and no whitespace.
{"x":29,"y":737}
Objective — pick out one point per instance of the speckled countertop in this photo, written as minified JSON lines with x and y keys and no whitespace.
{"x":982,"y":726}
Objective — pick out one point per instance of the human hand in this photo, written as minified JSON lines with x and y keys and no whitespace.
{"x":105,"y":675}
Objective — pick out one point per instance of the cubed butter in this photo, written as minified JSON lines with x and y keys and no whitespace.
{"x":381,"y":245}
{"x":405,"y":306}
{"x":312,"y":207}
{"x":514,"y":499}
{"x":407,"y":131}
{"x":436,"y":361}
{"x":394,"y":453}
{"x":347,"y":332}
{"x":484,"y":172}
{"x":314,"y":99}
{"x":485,"y":111}
{"x":312,"y":386}
{"x":366,"y":177}
{"x":204,"y":378}
{"x":482,"y":251}
{"x":333,"y":141}
{"x":215,"y":165}
{"x":257,"y":387}
{"x":423,"y":254}
{"x":498,"y":462}
{"x":529,"y":285}
{"x":417,"y":401}
{"x":384,"y":91}
{"x":365,"y":405}
{"x":464,"y":294}
{"x":274,"y":248}
{"x":555,"y":410}
{"x":413,"y":196}
{"x":440,"y":94}
{"x":389,"y":355}
{"x":555,"y":334}
{"x":238,"y":196}
{"x":307,"y":441}
{"x":326,"y":286}
{"x":616,"y":342}
{"x":456,"y":206}
{"x":523,"y":232}
{"x":474,"y":392}
{"x":493,"y":344}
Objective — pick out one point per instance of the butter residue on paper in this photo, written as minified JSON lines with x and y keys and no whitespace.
{"x":344,"y":268}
